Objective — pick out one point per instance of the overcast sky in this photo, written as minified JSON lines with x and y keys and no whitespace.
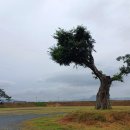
{"x":26,"y":30}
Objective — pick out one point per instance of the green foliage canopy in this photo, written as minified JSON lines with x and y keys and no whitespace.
{"x":73,"y":46}
{"x":76,"y":46}
{"x":124,"y":70}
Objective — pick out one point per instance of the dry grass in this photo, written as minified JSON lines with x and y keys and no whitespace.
{"x":102,"y":120}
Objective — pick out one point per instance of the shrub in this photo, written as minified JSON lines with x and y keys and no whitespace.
{"x":39,"y":104}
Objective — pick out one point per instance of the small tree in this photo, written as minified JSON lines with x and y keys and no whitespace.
{"x":76,"y":46}
{"x":4,"y":95}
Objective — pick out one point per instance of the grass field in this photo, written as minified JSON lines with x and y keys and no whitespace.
{"x":74,"y":118}
{"x":81,"y":118}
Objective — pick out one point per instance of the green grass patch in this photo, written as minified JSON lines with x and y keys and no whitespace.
{"x":41,"y":104}
{"x":46,"y":124}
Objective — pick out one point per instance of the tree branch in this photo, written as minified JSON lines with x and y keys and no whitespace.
{"x":124,"y":70}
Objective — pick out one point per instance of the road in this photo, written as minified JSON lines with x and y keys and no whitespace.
{"x":12,"y":122}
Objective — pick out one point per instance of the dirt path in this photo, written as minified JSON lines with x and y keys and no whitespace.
{"x":12,"y":122}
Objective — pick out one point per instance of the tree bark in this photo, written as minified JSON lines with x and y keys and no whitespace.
{"x":103,"y":97}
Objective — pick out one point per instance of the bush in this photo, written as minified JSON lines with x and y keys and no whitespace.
{"x":40,"y":104}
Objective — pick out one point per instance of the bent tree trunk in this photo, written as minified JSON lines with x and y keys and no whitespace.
{"x":102,"y":98}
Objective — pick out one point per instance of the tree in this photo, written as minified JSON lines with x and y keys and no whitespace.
{"x":4,"y":95}
{"x":76,"y":46}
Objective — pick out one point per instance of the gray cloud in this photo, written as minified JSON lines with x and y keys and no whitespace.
{"x":26,"y":29}
{"x":74,"y":80}
{"x":60,"y":93}
{"x":5,"y":83}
